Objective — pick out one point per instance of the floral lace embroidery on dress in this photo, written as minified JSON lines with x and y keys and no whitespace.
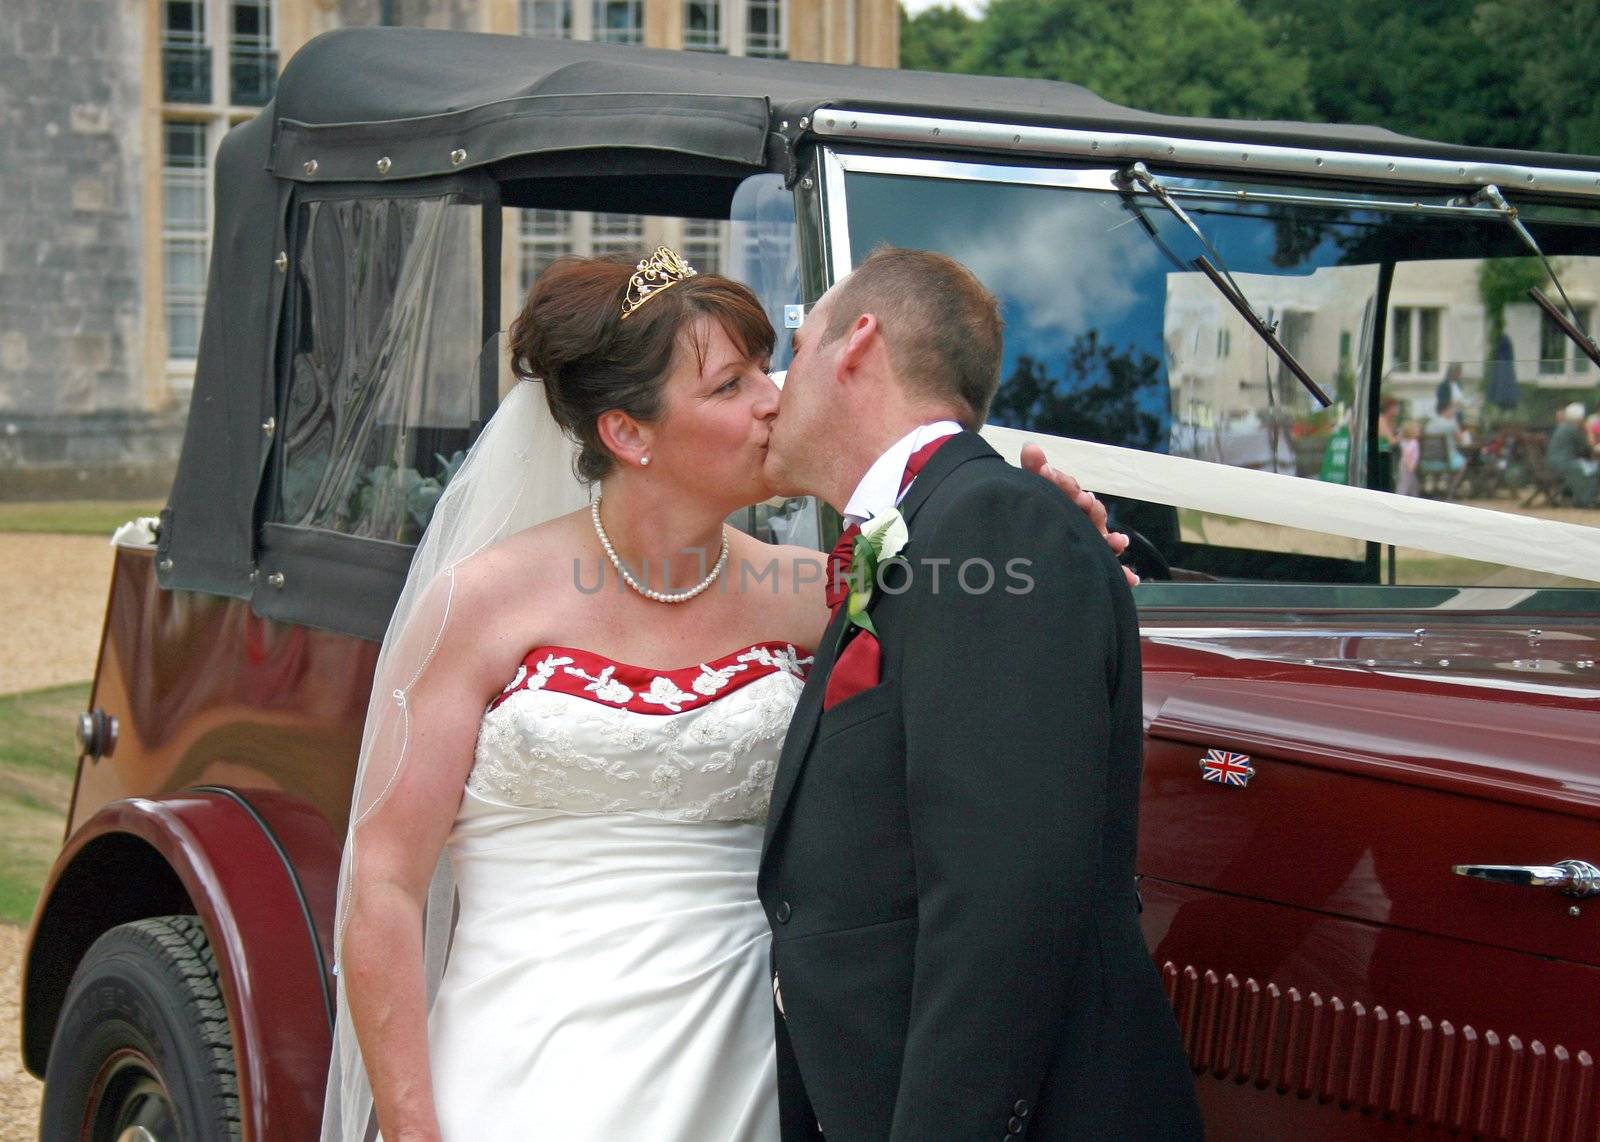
{"x":580,"y":733}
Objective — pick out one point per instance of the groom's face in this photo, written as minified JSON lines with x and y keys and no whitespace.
{"x":806,"y":408}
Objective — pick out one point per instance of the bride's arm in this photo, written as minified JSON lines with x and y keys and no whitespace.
{"x":396,"y":850}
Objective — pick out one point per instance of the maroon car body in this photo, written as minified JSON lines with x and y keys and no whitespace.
{"x":1331,"y":974}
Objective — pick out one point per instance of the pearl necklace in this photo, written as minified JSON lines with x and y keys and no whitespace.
{"x":627,"y":577}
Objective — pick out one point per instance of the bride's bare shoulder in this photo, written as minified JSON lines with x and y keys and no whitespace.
{"x":525,"y":566}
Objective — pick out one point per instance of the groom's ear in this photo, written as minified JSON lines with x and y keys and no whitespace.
{"x":859,"y":343}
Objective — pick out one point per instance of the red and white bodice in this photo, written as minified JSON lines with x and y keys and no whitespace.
{"x":576,"y":732}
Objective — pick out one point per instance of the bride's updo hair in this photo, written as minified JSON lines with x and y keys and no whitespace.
{"x":570,"y":335}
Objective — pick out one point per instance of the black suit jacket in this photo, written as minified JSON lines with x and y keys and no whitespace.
{"x":949,"y":859}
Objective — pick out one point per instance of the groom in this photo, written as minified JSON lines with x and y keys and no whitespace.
{"x":949,"y":859}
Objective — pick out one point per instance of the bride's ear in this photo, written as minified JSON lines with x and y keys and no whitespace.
{"x":624,"y":437}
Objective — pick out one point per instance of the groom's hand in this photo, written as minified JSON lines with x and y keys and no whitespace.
{"x":1033,"y":461}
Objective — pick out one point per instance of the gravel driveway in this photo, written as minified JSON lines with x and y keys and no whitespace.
{"x":53,"y":595}
{"x":19,"y":1091}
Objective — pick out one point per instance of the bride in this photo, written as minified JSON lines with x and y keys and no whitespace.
{"x":582,"y":709}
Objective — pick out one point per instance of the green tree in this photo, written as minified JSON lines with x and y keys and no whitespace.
{"x":934,"y":39}
{"x":1178,"y":57}
{"x":1425,"y":67}
{"x":1552,"y":48}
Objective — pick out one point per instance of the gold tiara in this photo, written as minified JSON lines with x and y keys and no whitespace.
{"x":660,"y":271}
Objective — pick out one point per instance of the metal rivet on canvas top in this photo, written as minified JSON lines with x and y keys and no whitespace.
{"x":281,"y":261}
{"x":384,"y":164}
{"x":805,"y":123}
{"x":269,"y":426}
{"x":310,"y":166}
{"x":276,"y":579}
{"x":164,"y":566}
{"x":457,"y":157}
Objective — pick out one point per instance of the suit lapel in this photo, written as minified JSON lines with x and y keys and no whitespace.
{"x":808,"y":710}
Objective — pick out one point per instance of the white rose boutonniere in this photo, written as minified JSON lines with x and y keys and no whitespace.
{"x":882,"y":538}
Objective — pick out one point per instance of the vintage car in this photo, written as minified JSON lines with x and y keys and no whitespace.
{"x":1371,"y":805}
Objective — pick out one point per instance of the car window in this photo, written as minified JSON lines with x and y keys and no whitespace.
{"x":382,"y":391}
{"x":756,"y":245}
{"x":1114,"y":336}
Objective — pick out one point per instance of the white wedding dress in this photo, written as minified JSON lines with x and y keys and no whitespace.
{"x":608,"y":971}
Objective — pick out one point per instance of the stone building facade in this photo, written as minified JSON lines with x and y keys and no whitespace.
{"x":111,"y":112}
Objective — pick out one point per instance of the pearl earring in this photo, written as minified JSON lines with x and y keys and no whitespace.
{"x":644,"y":461}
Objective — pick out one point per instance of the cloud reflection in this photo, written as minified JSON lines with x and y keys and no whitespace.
{"x":1063,"y":264}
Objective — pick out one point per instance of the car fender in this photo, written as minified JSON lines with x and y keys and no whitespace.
{"x":260,"y":871}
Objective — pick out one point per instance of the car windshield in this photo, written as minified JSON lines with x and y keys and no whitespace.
{"x":1113,"y":335}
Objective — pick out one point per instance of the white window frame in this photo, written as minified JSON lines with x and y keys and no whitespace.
{"x":718,"y":12}
{"x":741,"y":13}
{"x":698,"y":236}
{"x":1573,"y":361}
{"x":1411,"y":364}
{"x":597,"y":24}
{"x":192,"y":234}
{"x":578,"y":13}
{"x":217,"y":117}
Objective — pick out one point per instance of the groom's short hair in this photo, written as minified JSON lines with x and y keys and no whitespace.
{"x":941,"y":326}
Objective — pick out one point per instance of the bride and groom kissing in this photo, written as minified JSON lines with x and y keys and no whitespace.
{"x":869,"y":875}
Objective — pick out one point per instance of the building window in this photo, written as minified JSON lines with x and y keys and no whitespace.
{"x":252,"y":64}
{"x":1224,"y":343}
{"x":549,"y":234}
{"x":1557,"y":354}
{"x":703,"y":30}
{"x":1414,"y":339}
{"x":185,"y":234}
{"x":764,"y":29}
{"x":549,"y":18}
{"x":617,"y":234}
{"x":619,"y":21}
{"x":546,"y":236}
{"x":702,"y":244}
{"x":185,"y":59}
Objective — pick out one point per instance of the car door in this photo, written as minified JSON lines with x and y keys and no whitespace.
{"x":1332,"y":976}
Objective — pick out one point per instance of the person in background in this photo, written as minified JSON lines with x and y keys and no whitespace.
{"x":1388,"y":442}
{"x":1446,"y":422}
{"x":1570,"y":455}
{"x":1410,"y":457}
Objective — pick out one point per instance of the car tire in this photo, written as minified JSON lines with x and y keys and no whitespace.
{"x":142,"y":1049}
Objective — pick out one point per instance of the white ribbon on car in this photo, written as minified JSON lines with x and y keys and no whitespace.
{"x":1503,"y":538}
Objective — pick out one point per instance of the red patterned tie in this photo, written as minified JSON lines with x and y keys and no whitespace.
{"x":919,"y":460}
{"x":837,"y":586}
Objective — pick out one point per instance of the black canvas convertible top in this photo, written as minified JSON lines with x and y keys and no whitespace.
{"x":395,"y":111}
{"x":405,"y":87}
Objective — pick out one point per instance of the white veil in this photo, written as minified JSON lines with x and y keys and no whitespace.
{"x":519,"y":473}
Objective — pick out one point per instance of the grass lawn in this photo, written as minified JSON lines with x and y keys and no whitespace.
{"x":75,"y":517}
{"x":37,"y":761}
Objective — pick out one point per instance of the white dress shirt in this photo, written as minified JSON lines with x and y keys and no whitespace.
{"x":879,"y":489}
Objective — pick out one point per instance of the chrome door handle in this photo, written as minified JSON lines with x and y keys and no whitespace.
{"x":1573,"y":877}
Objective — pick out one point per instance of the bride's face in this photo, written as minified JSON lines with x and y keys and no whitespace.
{"x":711,"y":439}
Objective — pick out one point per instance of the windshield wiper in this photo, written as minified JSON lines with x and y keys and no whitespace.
{"x":1566,"y":322}
{"x":1217,"y":273}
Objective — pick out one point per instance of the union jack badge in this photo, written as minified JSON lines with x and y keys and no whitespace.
{"x":1226,"y":768}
